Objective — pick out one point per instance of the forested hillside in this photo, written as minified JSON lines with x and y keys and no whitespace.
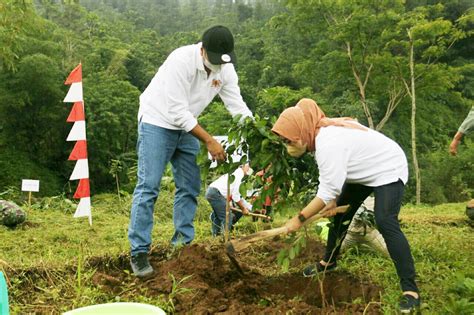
{"x":352,"y":57}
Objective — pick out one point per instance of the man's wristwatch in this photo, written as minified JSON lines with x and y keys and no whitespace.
{"x":301,"y":217}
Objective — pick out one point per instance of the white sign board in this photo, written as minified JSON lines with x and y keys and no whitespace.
{"x":30,"y":185}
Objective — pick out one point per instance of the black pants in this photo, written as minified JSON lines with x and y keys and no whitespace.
{"x":388,"y":199}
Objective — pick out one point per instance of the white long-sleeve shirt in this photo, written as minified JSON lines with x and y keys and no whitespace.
{"x":221,"y":185}
{"x":355,"y":156}
{"x":181,"y":90}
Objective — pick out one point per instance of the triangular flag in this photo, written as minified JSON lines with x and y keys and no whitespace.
{"x":79,"y":152}
{"x":74,"y":94}
{"x":75,"y":75}
{"x":84,"y":209}
{"x":83,"y":189}
{"x":81,"y":170}
{"x":77,"y":112}
{"x":78,"y":131}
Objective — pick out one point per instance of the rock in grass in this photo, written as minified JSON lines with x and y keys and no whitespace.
{"x":11,"y":214}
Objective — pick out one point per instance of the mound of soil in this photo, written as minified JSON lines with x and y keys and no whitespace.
{"x":201,"y":280}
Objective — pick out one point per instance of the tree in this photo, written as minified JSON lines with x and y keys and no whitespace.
{"x":423,"y":37}
{"x":274,"y":100}
{"x":17,"y":20}
{"x":353,"y":43}
{"x":111,"y":108}
{"x":33,"y":110}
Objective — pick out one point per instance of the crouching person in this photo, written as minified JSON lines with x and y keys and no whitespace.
{"x":216,"y":194}
{"x":362,"y":230}
{"x":353,"y":161}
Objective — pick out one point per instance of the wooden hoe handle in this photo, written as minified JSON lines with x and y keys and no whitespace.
{"x":246,"y":241}
{"x":252,"y":214}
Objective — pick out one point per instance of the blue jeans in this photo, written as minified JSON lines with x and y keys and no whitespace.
{"x":218,"y":205}
{"x":156,"y":147}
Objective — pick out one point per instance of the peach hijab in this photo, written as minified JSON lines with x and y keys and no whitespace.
{"x":303,"y":121}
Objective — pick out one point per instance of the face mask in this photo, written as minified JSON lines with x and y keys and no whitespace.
{"x":214,"y":68}
{"x":295,"y":150}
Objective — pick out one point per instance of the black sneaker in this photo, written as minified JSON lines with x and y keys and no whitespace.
{"x":314,"y":269}
{"x":409,"y":304}
{"x":140,"y":265}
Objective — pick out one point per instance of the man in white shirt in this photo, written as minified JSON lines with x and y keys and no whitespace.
{"x":216,"y":194}
{"x":168,"y":131}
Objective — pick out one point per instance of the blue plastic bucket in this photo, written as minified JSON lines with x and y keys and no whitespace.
{"x":3,"y":295}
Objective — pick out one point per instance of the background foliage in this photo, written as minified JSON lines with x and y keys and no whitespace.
{"x":351,"y":56}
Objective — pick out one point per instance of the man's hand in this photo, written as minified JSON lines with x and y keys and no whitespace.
{"x":453,"y":147}
{"x":213,"y":147}
{"x":216,"y":150}
{"x":245,"y":211}
{"x":293,"y":225}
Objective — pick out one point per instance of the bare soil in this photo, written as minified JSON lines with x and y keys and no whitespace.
{"x":210,"y":284}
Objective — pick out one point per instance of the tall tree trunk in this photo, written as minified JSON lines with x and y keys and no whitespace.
{"x":413,"y":120}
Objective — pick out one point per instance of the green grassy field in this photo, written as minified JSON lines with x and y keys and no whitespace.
{"x":48,"y":253}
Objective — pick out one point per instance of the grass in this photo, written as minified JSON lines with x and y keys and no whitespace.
{"x":440,"y":240}
{"x":41,"y":254}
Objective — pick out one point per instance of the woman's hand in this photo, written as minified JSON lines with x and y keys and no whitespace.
{"x":293,"y":225}
{"x":329,"y":209}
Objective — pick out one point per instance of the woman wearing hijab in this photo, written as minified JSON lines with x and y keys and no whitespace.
{"x":353,"y":161}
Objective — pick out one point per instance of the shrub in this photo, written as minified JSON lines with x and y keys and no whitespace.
{"x":446,"y":178}
{"x":15,"y":166}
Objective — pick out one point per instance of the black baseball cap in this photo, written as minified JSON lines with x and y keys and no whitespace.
{"x":219,"y":45}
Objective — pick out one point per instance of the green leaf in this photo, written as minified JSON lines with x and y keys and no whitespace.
{"x":285,"y":266}
{"x":291,"y":253}
{"x":281,"y":256}
{"x":297,"y":248}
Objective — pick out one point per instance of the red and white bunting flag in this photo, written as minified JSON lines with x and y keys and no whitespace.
{"x":75,"y":75}
{"x":77,"y":113}
{"x":81,"y":170}
{"x":78,"y":131}
{"x":83,"y":189}
{"x":74,"y":94}
{"x":79,"y":153}
{"x":84,"y":209}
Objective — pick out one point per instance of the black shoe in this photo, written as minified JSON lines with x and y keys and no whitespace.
{"x":140,"y":265}
{"x":409,"y":304}
{"x":314,"y":269}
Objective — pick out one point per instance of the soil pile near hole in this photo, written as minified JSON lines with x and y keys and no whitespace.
{"x":201,"y":280}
